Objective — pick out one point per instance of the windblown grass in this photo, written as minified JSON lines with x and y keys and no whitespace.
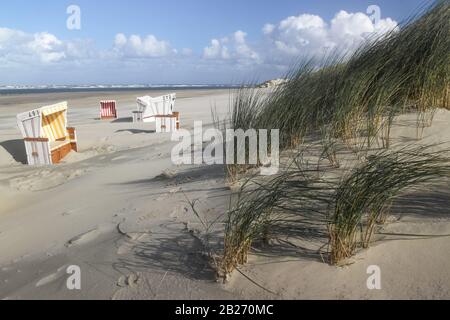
{"x":359,"y":95}
{"x":346,"y":100}
{"x":261,"y":204}
{"x":247,"y":105}
{"x":363,"y":198}
{"x":248,"y":220}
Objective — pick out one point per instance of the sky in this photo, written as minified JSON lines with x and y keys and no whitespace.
{"x":180,"y":41}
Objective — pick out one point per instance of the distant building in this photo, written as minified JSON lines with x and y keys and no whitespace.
{"x":273,"y":83}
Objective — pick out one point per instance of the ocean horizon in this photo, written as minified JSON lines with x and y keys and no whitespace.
{"x":18,"y":89}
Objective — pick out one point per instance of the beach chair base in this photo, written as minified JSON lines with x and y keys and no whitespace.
{"x":138,"y":116}
{"x":166,"y":124}
{"x":177,"y":115}
{"x":61,"y":152}
{"x":40,"y":152}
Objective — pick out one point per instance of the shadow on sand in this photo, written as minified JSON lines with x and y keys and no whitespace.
{"x":427,"y":203}
{"x":16,"y":148}
{"x":136,"y":131}
{"x":123,"y":120}
{"x":189,"y":175}
{"x":170,"y":249}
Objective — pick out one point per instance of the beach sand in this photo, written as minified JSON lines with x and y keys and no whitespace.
{"x":118,"y":209}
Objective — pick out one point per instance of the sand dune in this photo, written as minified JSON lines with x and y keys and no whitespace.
{"x":118,"y":210}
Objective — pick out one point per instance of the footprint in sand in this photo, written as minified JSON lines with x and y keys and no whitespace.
{"x":125,"y":249}
{"x":83,"y":238}
{"x":162,"y":197}
{"x":175,"y":190}
{"x":120,"y":158}
{"x":131,"y":281}
{"x":169,"y":193}
{"x":52,"y":277}
{"x":132,"y":240}
{"x":132,"y":227}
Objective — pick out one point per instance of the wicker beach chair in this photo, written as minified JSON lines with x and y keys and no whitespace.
{"x":159,"y":110}
{"x":108,"y":110}
{"x":47,"y":137}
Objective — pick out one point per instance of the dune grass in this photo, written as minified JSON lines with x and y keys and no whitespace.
{"x":248,"y":220}
{"x":261,"y":204}
{"x":350,"y":208}
{"x":358,"y":95}
{"x":363,"y":197}
{"x":353,"y":101}
{"x":246,"y":107}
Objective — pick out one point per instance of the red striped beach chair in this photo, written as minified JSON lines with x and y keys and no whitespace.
{"x":47,"y":137}
{"x":108,"y":110}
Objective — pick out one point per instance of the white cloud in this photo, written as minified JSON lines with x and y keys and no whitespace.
{"x":385,"y":26}
{"x":268,"y":28}
{"x":302,"y":22}
{"x":232,"y":57}
{"x":137,"y":47}
{"x":295,"y":35}
{"x":310,"y":35}
{"x":48,"y":47}
{"x":233,"y":48}
{"x":7,"y":35}
{"x":350,"y":24}
{"x":216,"y":50}
{"x":40,"y":48}
{"x":243,"y":51}
{"x":187,"y":51}
{"x":120,"y":40}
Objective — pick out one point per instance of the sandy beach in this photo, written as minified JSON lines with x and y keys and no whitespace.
{"x":112,"y":190}
{"x":118,"y":209}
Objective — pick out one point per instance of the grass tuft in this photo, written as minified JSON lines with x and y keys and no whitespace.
{"x":363,"y":197}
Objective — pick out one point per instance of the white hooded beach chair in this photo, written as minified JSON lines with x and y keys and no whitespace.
{"x":159,"y":110}
{"x":150,"y":107}
{"x":47,"y":137}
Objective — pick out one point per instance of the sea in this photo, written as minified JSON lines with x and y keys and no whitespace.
{"x":10,"y":90}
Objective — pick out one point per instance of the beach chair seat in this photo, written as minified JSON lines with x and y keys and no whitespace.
{"x":148,"y":108}
{"x":60,"y":151}
{"x":108,"y":110}
{"x":46,"y":135}
{"x":58,"y":144}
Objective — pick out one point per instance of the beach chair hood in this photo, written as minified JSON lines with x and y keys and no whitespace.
{"x":152,"y":107}
{"x":47,"y":122}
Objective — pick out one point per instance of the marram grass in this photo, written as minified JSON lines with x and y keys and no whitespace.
{"x":358,"y":95}
{"x":364,"y":196}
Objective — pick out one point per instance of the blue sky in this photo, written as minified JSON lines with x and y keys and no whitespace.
{"x":179,"y":41}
